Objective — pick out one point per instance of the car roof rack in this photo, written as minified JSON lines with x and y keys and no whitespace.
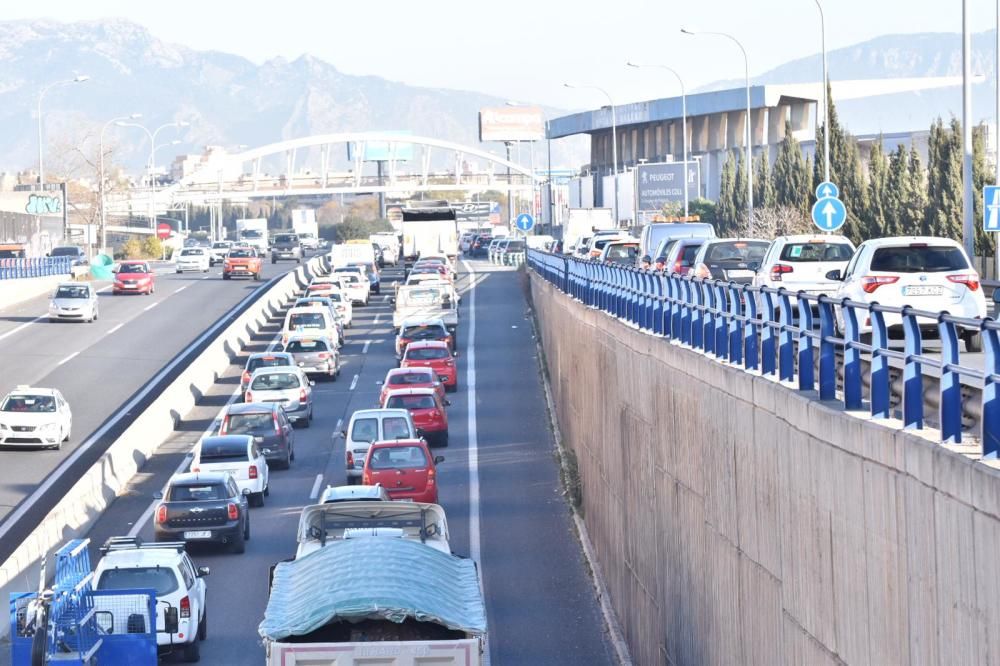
{"x":135,"y":542}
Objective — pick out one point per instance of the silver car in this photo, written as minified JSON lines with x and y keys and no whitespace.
{"x":287,"y":386}
{"x":74,"y":301}
{"x":314,"y":354}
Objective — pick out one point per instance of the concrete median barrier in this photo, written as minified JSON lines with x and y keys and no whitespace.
{"x":98,"y":486}
{"x":15,"y":292}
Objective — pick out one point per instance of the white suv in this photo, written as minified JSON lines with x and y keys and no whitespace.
{"x":927,"y":273}
{"x":127,"y":564}
{"x":800,"y":263}
{"x":239,"y":456}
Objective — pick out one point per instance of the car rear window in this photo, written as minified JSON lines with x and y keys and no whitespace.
{"x":216,"y":451}
{"x":241,"y":254}
{"x":411,"y":402}
{"x":365,"y":430}
{"x":65,"y":252}
{"x":600,"y":243}
{"x":515,"y":246}
{"x":423,"y":332}
{"x":813,"y":251}
{"x":278,"y":381}
{"x":408,"y":378}
{"x":161,"y":579}
{"x":132,"y":268}
{"x":203,"y":492}
{"x":249,"y":424}
{"x":306,"y":346}
{"x":267,"y":362}
{"x":192,"y":252}
{"x":73,"y":292}
{"x":398,"y":457}
{"x":919,"y":259}
{"x":736,"y":251}
{"x":285,"y":238}
{"x":426,"y":354}
{"x":688,"y":253}
{"x":623,"y":252}
{"x":396,"y":427}
{"x":29,"y":403}
{"x":307,"y":320}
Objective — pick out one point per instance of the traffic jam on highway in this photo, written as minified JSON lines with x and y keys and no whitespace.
{"x":384,"y":525}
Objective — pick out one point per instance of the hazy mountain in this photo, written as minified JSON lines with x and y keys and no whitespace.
{"x":227,"y":99}
{"x":897,"y":56}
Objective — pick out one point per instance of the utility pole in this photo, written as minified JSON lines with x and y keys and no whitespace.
{"x":968,"y":226}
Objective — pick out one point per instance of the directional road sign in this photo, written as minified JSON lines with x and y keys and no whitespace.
{"x":826,"y":189}
{"x":524,"y":222}
{"x":991,"y":208}
{"x":829,"y":214}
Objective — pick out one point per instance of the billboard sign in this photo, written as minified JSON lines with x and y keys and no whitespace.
{"x":475,"y":211}
{"x":381,"y":151}
{"x":511,"y":123}
{"x":657,"y":185}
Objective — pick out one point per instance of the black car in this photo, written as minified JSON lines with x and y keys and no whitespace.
{"x":480,"y":245}
{"x":286,"y":246}
{"x":270,"y":427}
{"x":203,"y":508}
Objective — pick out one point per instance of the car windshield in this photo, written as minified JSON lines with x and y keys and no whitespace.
{"x":275,"y":381}
{"x":407,"y":378}
{"x":73,"y":291}
{"x":307,"y":320}
{"x":65,"y":252}
{"x":192,"y":252}
{"x":426,"y":354}
{"x":736,"y":251}
{"x":398,"y":457}
{"x":919,"y":259}
{"x":814,"y":251}
{"x":266,"y":362}
{"x":423,"y":332}
{"x":515,"y":246}
{"x":286,"y":238}
{"x":396,"y":427}
{"x":203,"y":492}
{"x":132,"y":268}
{"x":305,"y":346}
{"x":623,"y":253}
{"x":249,"y":424}
{"x":161,"y":579}
{"x":220,"y":246}
{"x":241,"y":254}
{"x":411,"y":402}
{"x":352,"y":278}
{"x":364,"y":430}
{"x":29,"y":403}
{"x":216,"y":451}
{"x":335,"y":296}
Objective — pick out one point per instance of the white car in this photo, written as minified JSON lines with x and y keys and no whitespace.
{"x":800,"y":263}
{"x":35,"y":417}
{"x":927,"y":273}
{"x":239,"y":456}
{"x":74,"y":301}
{"x":465,"y":241}
{"x":287,"y":386}
{"x":582,"y":248}
{"x":602,"y":238}
{"x":219,"y":250}
{"x":355,"y":281}
{"x":193,"y":259}
{"x":373,"y":425}
{"x":126,"y":564}
{"x":310,"y":319}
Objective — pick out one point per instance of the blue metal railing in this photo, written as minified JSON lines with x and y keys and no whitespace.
{"x":757,"y":328}
{"x":15,"y":269}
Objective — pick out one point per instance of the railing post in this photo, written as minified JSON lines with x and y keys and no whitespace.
{"x":768,"y":337}
{"x":676,"y":307}
{"x":807,"y":373}
{"x":685,"y":310}
{"x":735,"y":325}
{"x":697,"y":315}
{"x":991,"y":394}
{"x":659,"y":305}
{"x":751,"y":358}
{"x":913,"y":380}
{"x":721,"y":320}
{"x":852,"y":357}
{"x":786,"y":349}
{"x":827,"y":351}
{"x":708,"y":325}
{"x":880,"y":380}
{"x":950,"y":400}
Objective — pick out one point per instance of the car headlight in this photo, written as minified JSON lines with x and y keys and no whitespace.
{"x":4,"y":426}
{"x":49,"y":427}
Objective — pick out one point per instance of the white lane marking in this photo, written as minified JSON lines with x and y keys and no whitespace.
{"x":150,"y":306}
{"x":69,"y":358}
{"x":177,"y":291}
{"x":375,"y":321}
{"x":354,"y":382}
{"x":22,"y":327}
{"x":115,"y":328}
{"x":340,"y":423}
{"x":470,"y":390}
{"x":314,"y":493}
{"x":365,"y":350}
{"x":206,"y":277}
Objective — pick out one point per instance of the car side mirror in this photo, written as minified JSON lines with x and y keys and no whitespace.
{"x":834,"y":275}
{"x":312,"y":382}
{"x":170,"y":620}
{"x":420,"y":432}
{"x":158,"y":495}
{"x":438,"y":460}
{"x":343,"y":434}
{"x":203,"y":571}
{"x":392,"y":299}
{"x":447,"y":403}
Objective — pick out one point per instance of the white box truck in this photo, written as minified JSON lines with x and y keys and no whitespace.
{"x":389,"y":242}
{"x":352,"y":252}
{"x":252,"y":232}
{"x":429,"y":231}
{"x":304,"y":224}
{"x":583,"y":222}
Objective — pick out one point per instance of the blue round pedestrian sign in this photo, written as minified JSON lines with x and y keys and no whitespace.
{"x":826,"y":189}
{"x":524,"y":222}
{"x":829,"y":214}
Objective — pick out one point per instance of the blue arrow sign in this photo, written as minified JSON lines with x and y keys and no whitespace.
{"x":826,"y":190}
{"x":991,"y":208}
{"x":524,"y":222}
{"x":829,"y":214}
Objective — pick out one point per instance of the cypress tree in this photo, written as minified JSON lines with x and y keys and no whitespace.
{"x":791,"y":176}
{"x":895,"y":192}
{"x":980,"y":176}
{"x":726,"y":207}
{"x":878,"y":168}
{"x":914,"y":199}
{"x":845,"y":171}
{"x":740,"y":188}
{"x":763,"y":184}
{"x":944,"y":180}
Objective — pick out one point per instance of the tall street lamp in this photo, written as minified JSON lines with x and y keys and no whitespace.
{"x":101,"y":184}
{"x":548,"y":148}
{"x":41,"y":95}
{"x":968,"y":226}
{"x":614,"y":138}
{"x":152,"y":157}
{"x":684,"y":131}
{"x":749,"y":133}
{"x":826,"y":99}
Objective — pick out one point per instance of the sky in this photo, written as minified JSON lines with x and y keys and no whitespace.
{"x":524,"y":50}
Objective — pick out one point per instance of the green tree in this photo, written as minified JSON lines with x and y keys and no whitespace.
{"x":913,"y":206}
{"x":981,"y":175}
{"x":152,"y":247}
{"x":878,"y":171}
{"x":740,"y":186}
{"x":726,"y":206}
{"x":704,"y":209}
{"x":763,"y":185}
{"x":845,"y":171}
{"x":895,"y":188}
{"x":791,"y":175}
{"x":944,"y":180}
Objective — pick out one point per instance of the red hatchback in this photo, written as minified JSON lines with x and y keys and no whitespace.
{"x":405,"y":468}
{"x":134,"y":277}
{"x":435,"y":355}
{"x":403,"y":378}
{"x":426,"y":409}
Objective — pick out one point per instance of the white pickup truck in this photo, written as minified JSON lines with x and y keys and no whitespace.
{"x":391,"y":601}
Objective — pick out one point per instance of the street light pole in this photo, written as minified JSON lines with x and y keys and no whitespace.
{"x":614,"y":139}
{"x":749,"y":133}
{"x":826,"y":99}
{"x":684,"y":131}
{"x":41,"y":140}
{"x":968,"y":227}
{"x":152,"y":156}
{"x":101,"y":184}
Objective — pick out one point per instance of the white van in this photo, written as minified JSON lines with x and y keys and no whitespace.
{"x":309,"y":319}
{"x":373,"y":425}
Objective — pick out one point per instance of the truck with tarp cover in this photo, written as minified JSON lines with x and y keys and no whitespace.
{"x":435,"y":299}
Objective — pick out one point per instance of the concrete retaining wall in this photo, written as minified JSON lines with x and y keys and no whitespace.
{"x":100,"y":484}
{"x":14,"y":292}
{"x":740,"y":522}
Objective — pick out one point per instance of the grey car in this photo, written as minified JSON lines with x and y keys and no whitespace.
{"x":74,"y":301}
{"x":270,"y":428}
{"x":315,"y":354}
{"x":286,"y":246}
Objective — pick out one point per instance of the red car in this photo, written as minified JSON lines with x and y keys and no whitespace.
{"x":134,"y":277}
{"x":435,"y":355}
{"x":399,"y":378}
{"x":426,"y":409}
{"x":405,"y":468}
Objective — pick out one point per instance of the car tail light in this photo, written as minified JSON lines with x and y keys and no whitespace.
{"x":431,"y":473}
{"x":350,"y":460}
{"x":778,"y":270}
{"x":195,"y":470}
{"x":246,"y":377}
{"x":702,"y":272}
{"x":185,"y":607}
{"x":161,"y":514}
{"x":323,"y":356}
{"x":253,"y":471}
{"x":274,"y":419}
{"x":872,"y":282}
{"x":678,"y":265}
{"x":970,"y":280}
{"x":302,"y":396}
{"x":248,"y":396}
{"x":233,"y":511}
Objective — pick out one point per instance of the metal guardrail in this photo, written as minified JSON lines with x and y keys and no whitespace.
{"x":16,"y":269}
{"x":753,"y":327}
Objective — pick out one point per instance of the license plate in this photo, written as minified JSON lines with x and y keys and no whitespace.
{"x":443,"y":378}
{"x":921,"y":290}
{"x":200,"y":534}
{"x":737,"y":273}
{"x":258,"y":440}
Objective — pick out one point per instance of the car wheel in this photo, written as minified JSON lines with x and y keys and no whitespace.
{"x":291,"y":455}
{"x":192,"y":652}
{"x":225,"y":276}
{"x":973,"y":342}
{"x":239,"y":545}
{"x":52,"y":320}
{"x":68,"y":433}
{"x":246,"y":529}
{"x":306,"y":421}
{"x":179,"y":270}
{"x":273,"y":260}
{"x":203,"y":626}
{"x":267,"y":490}
{"x":56,"y":446}
{"x":257,"y":499}
{"x":443,"y":439}
{"x":353,"y":480}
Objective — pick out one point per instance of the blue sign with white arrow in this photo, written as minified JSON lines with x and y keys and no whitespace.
{"x":524,"y":222}
{"x":991,"y":208}
{"x":826,"y":190}
{"x":829,"y":214}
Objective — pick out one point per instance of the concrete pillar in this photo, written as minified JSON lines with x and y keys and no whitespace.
{"x":776,"y":123}
{"x":735,"y":132}
{"x":717,"y":123}
{"x":698,"y":126}
{"x":800,"y":115}
{"x":661,"y":141}
{"x":758,"y":123}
